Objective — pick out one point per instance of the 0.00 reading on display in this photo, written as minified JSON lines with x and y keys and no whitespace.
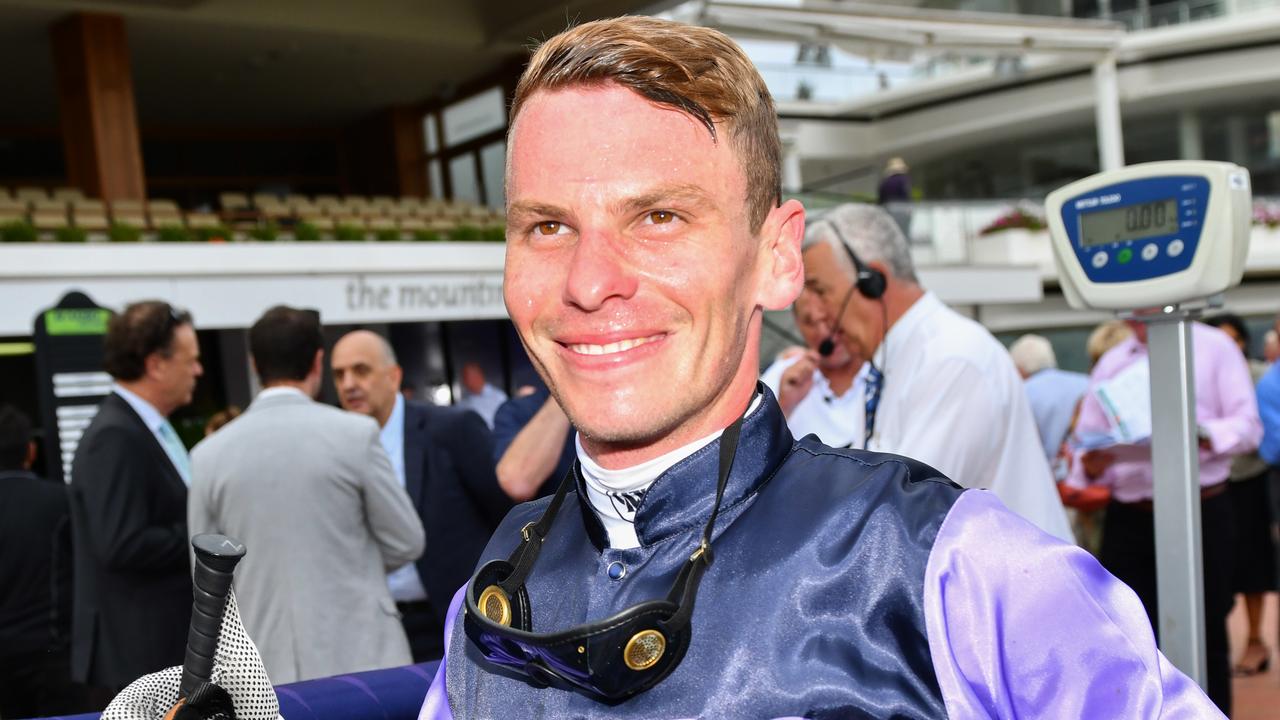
{"x":1134,"y":222}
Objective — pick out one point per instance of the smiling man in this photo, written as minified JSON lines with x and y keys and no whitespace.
{"x":699,"y":561}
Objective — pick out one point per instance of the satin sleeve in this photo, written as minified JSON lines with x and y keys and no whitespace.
{"x":1022,"y":625}
{"x":436,"y":704}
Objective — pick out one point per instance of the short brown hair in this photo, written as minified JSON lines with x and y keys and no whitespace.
{"x":143,"y":328}
{"x":696,"y":70}
{"x":284,"y":342}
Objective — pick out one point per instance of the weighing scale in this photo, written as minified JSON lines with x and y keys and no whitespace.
{"x":1159,"y":242}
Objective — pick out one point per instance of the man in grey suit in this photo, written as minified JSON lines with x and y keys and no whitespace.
{"x":310,"y":491}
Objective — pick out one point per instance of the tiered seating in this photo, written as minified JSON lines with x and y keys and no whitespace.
{"x":374,"y":214}
{"x":68,"y":207}
{"x":67,"y":213}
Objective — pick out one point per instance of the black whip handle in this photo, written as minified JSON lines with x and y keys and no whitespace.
{"x":215,"y":562}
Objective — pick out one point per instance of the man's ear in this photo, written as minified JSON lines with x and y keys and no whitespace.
{"x":782,"y":264}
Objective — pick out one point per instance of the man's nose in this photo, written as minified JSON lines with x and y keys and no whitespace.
{"x":598,"y":272}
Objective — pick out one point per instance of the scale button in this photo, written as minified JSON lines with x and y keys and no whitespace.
{"x":1100,"y":259}
{"x":1175,"y":248}
{"x":1149,"y":251}
{"x":1124,"y":256}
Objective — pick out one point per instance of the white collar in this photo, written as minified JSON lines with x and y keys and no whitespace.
{"x":277,"y":390}
{"x":151,"y":417}
{"x":905,"y":326}
{"x":640,"y":476}
{"x":395,"y":421}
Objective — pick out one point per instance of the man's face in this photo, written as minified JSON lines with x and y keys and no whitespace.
{"x":632,"y":274}
{"x":815,"y":326}
{"x":473,"y":379}
{"x":366,"y":381}
{"x":176,"y":373}
{"x":860,"y":327}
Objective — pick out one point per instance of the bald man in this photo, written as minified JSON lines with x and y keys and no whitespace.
{"x":442,"y":457}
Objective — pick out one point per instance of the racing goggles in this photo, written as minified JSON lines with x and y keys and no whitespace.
{"x":608,"y":660}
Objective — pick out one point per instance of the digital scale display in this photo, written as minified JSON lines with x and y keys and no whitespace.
{"x":1134,"y":222}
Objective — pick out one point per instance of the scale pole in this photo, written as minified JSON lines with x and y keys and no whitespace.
{"x":1175,"y":460}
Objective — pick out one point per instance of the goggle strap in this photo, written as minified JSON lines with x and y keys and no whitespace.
{"x":526,"y":553}
{"x":685,"y":589}
{"x":728,"y":448}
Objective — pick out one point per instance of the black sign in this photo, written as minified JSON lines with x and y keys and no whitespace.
{"x":68,"y":339}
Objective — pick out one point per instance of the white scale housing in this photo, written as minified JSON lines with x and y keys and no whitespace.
{"x":1151,"y":235}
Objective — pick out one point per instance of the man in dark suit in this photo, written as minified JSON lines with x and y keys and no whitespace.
{"x":443,"y":457}
{"x":132,"y":599}
{"x":35,"y":582}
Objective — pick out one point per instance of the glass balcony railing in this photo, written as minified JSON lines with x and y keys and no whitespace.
{"x":1012,"y":232}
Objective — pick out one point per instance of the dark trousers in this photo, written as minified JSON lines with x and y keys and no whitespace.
{"x":1129,"y":553}
{"x":39,"y":684}
{"x":426,"y":634}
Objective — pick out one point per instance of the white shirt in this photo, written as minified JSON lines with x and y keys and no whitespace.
{"x":405,"y":584}
{"x":485,"y":403}
{"x":835,"y":419}
{"x":615,"y":494}
{"x":953,"y":400}
{"x":152,"y":418}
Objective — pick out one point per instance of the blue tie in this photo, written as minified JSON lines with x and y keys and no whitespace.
{"x":871,"y":392}
{"x":176,"y":451}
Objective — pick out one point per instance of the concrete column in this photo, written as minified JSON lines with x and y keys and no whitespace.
{"x":1237,"y":141}
{"x":1190,"y":139}
{"x":1107,"y":113}
{"x":792,"y":180}
{"x":95,"y":100}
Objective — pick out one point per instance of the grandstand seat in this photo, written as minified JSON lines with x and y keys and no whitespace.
{"x":354,"y":221}
{"x":231,"y":202}
{"x":273,"y":209}
{"x":355,"y":204}
{"x":129,"y":212}
{"x":48,"y":207}
{"x":317,"y":220}
{"x":50,"y":219}
{"x":412,"y":224}
{"x":381,"y":223}
{"x":68,"y":194}
{"x":89,"y":214}
{"x":202,"y":220}
{"x":259,"y":199}
{"x":164,"y":213}
{"x":31,"y":194}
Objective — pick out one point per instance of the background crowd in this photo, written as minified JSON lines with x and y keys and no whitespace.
{"x":362,"y":522}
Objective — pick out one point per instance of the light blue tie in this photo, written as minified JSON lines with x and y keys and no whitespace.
{"x":176,"y":451}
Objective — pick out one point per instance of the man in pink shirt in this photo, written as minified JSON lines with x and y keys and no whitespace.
{"x":1227,"y":414}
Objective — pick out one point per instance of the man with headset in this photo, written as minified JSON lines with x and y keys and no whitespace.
{"x":646,"y":235}
{"x":938,"y":387}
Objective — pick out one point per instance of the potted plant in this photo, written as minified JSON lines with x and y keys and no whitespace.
{"x":387,"y":235}
{"x":306,"y":232}
{"x":1016,"y":237}
{"x":215,"y":234}
{"x":124,"y":233}
{"x":426,"y":236}
{"x":71,"y":234}
{"x":494,"y":233}
{"x":173,"y":233}
{"x":465,"y":233}
{"x":266,"y":232}
{"x":19,"y":231}
{"x":348,"y":233}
